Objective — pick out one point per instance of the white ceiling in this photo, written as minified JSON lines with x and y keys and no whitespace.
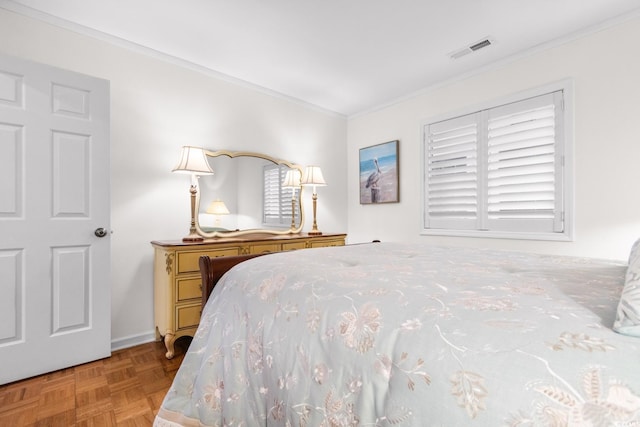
{"x":345,"y":56}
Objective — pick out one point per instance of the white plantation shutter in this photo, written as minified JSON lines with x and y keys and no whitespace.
{"x":524,"y":193}
{"x":277,"y":201}
{"x":499,"y":169}
{"x":452,"y":177}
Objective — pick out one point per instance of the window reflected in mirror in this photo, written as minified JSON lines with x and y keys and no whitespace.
{"x":277,"y":209}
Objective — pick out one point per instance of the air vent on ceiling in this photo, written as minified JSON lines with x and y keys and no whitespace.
{"x":487,"y":41}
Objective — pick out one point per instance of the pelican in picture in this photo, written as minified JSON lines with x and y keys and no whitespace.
{"x":372,"y":182}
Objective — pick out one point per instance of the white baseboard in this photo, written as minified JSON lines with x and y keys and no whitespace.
{"x":132,"y":340}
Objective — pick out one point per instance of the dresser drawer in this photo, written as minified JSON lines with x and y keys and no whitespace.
{"x":188,"y":261}
{"x":187,"y":316}
{"x":293,"y":245}
{"x":189,"y":289}
{"x":269,"y":247}
{"x":325,"y":243}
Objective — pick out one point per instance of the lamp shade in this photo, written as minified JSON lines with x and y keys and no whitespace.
{"x":291,"y":179}
{"x":313,"y":176}
{"x":193,"y":160}
{"x":217,"y":207}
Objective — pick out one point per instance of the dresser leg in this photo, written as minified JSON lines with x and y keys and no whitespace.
{"x":169,"y":340}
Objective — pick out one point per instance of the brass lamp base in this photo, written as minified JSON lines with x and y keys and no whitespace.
{"x":193,"y":235}
{"x":314,"y":230}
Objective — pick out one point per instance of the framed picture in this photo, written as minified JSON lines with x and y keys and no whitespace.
{"x":379,"y":173}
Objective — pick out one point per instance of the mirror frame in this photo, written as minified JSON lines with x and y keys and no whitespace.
{"x":233,"y":154}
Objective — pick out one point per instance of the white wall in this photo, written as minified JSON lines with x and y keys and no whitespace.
{"x":605,"y":68}
{"x":156,"y":107}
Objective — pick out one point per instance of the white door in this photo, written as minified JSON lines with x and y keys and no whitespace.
{"x":55,"y":298}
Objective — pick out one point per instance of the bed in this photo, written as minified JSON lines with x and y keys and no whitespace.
{"x":391,"y":334}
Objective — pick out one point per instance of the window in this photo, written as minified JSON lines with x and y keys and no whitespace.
{"x":277,"y":200}
{"x":499,"y":172}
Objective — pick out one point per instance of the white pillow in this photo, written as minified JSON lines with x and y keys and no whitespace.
{"x":628,"y":315}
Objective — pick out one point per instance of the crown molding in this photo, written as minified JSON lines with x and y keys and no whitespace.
{"x":147,"y":51}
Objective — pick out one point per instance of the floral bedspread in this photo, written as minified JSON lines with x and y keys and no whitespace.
{"x":390,"y":334}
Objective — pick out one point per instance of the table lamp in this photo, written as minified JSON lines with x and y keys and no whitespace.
{"x":193,"y":161}
{"x":313,"y":177}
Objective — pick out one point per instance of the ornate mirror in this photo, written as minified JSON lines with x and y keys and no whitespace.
{"x":248,"y":193}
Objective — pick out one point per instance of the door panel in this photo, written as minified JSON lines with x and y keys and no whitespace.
{"x":71,"y":167}
{"x":54,"y":192}
{"x":70,"y":289}
{"x":11,"y":309}
{"x":11,"y":171}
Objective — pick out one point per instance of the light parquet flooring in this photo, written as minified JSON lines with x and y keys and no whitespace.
{"x":123,"y":390}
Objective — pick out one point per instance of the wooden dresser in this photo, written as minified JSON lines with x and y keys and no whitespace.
{"x":177,"y":283}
